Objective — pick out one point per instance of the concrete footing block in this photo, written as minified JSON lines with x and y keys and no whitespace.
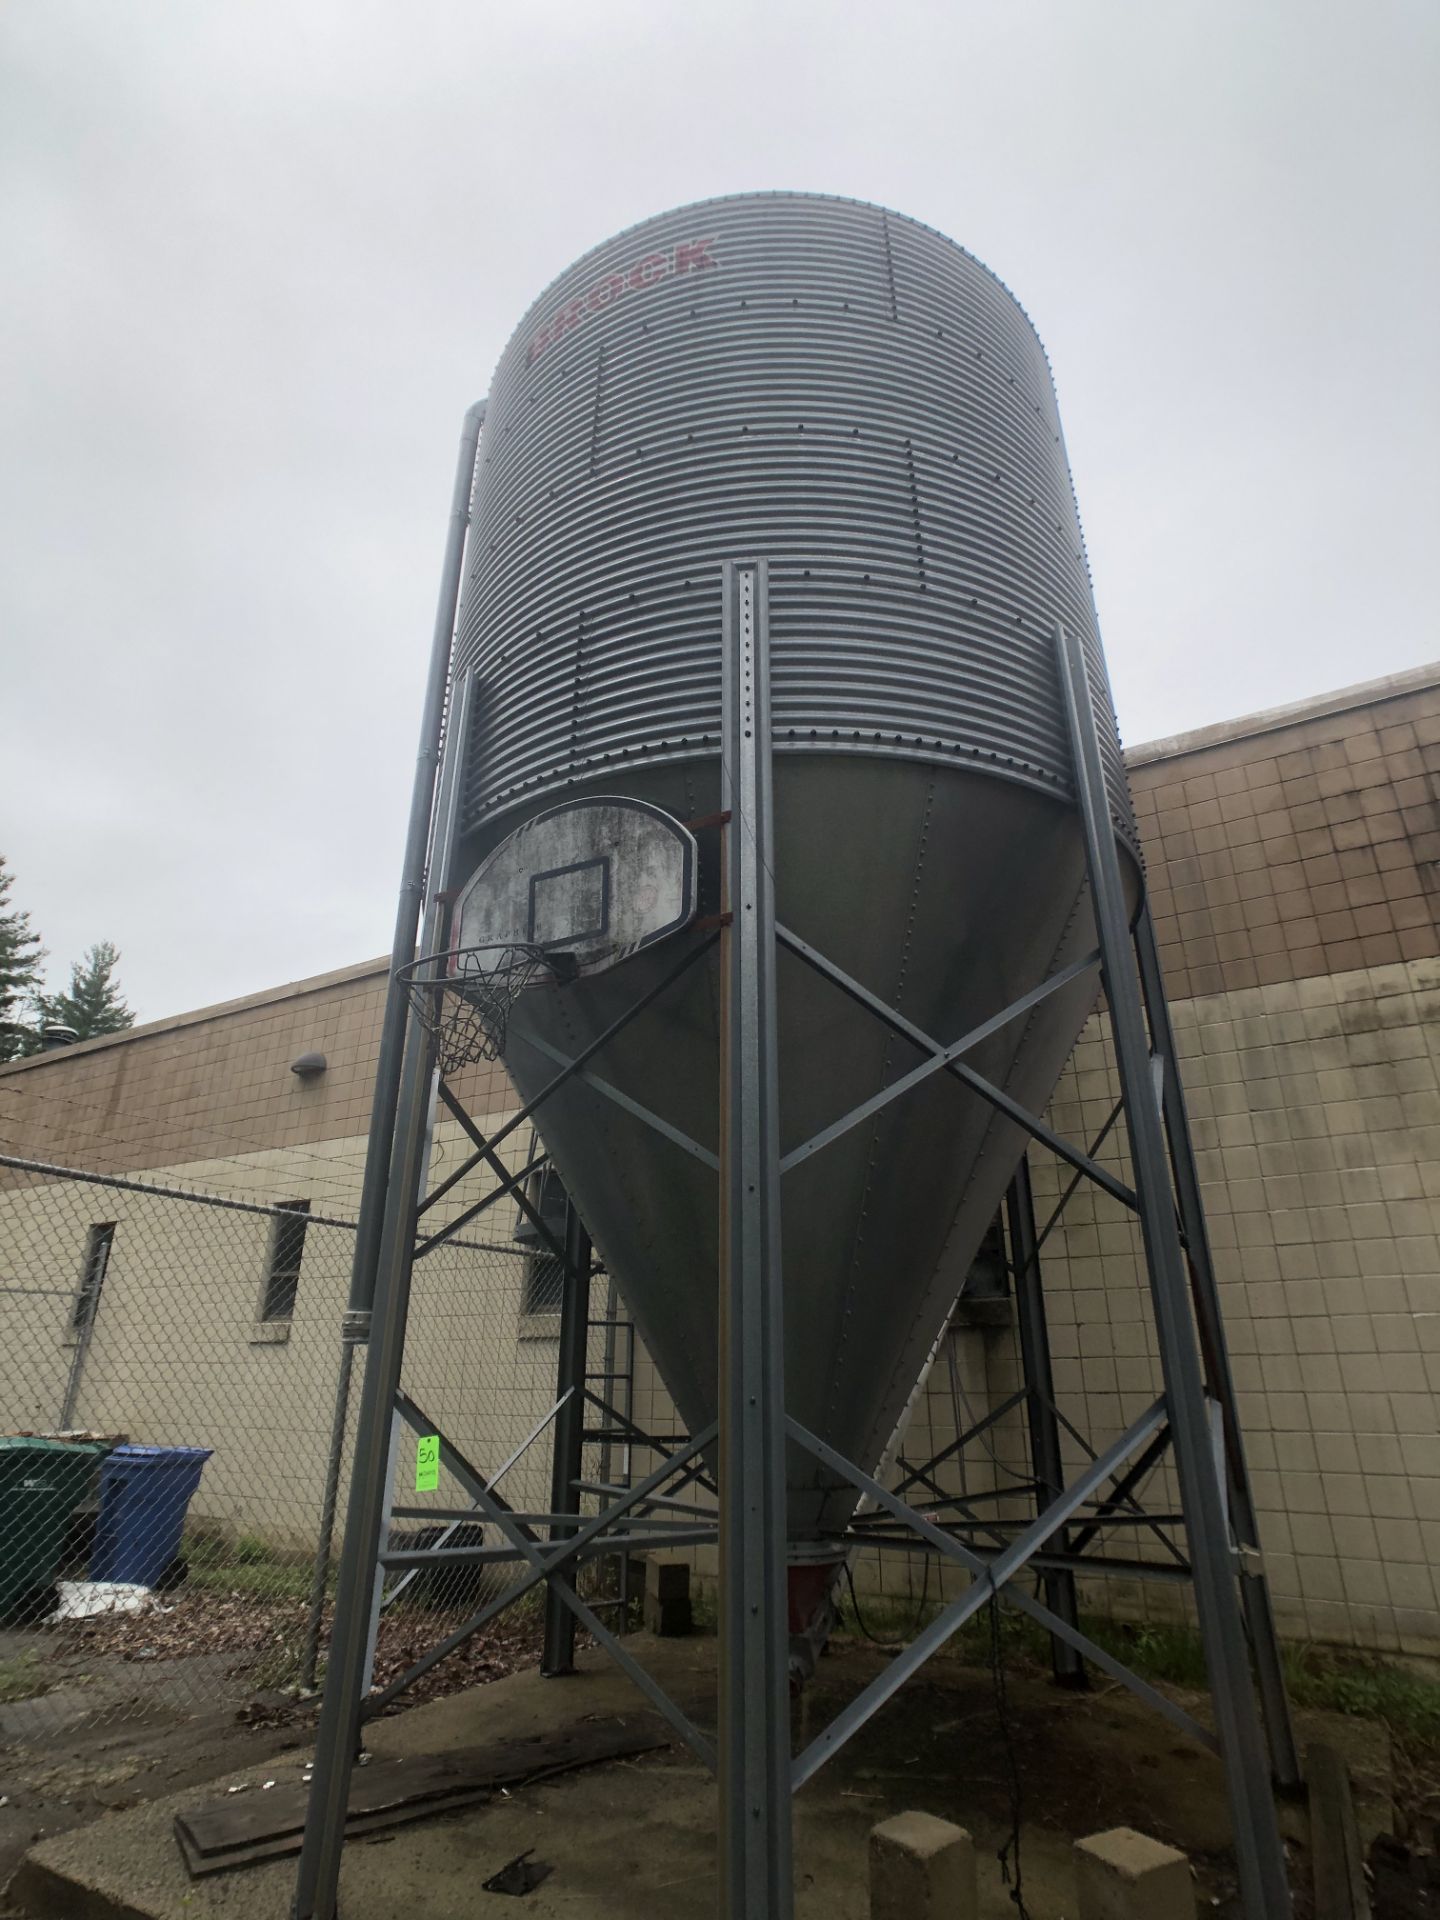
{"x":1124,"y":1875}
{"x":922,"y":1868}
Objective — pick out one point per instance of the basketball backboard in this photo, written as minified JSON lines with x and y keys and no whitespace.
{"x":595,"y":880}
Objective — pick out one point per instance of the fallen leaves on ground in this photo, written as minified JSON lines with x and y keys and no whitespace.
{"x":266,"y":1636}
{"x":187,"y":1625}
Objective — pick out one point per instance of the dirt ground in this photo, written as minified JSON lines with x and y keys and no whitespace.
{"x":1065,"y":1764}
{"x":125,"y":1709}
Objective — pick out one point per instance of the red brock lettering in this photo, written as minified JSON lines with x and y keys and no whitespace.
{"x":570,"y":315}
{"x":690,"y":256}
{"x":604,"y":291}
{"x":646,"y":272}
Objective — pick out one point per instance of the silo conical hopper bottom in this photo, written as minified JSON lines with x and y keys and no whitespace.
{"x":946,"y":893}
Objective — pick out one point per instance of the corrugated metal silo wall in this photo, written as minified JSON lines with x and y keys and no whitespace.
{"x":815,"y":380}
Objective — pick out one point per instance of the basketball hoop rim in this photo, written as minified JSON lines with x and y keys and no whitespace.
{"x":466,"y":1009}
{"x":442,"y":967}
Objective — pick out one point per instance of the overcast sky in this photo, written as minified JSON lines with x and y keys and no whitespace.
{"x":257,"y":258}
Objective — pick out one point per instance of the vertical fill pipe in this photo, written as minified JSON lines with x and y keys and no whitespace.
{"x":384,"y":1250}
{"x":355,"y":1321}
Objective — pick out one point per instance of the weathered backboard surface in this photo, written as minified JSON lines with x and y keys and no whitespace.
{"x":595,"y":879}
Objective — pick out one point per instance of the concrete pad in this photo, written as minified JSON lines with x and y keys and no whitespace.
{"x":638,"y":1836}
{"x":130,"y":1865}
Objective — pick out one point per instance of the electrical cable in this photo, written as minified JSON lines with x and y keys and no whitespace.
{"x":884,"y":1645}
{"x":959,"y":1403}
{"x":1009,"y":1854}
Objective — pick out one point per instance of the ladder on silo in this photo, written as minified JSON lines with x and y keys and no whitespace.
{"x":614,"y":1382}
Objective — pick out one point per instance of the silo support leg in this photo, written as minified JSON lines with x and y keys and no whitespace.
{"x":1046,"y":1463}
{"x":346,"y":1679}
{"x":1254,"y":1587}
{"x":754,"y":1701}
{"x":1259,"y":1850}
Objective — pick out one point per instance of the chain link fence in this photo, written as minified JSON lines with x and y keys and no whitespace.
{"x":177,"y":1410}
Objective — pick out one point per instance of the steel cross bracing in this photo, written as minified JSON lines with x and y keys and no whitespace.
{"x":1194,"y":1419}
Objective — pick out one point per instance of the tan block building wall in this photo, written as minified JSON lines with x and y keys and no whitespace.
{"x":179,"y":1354}
{"x":1294,"y":864}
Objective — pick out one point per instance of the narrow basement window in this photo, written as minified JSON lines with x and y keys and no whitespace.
{"x":287,"y":1250}
{"x":92,"y":1274}
{"x":544,"y":1282}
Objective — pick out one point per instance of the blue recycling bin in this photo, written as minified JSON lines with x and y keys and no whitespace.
{"x":144,"y":1494}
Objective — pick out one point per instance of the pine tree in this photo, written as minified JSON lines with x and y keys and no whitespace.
{"x":93,"y":1005}
{"x":20,"y":957}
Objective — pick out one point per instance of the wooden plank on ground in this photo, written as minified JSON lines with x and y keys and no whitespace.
{"x":236,"y":1831}
{"x":279,"y":1846}
{"x":1339,"y":1863}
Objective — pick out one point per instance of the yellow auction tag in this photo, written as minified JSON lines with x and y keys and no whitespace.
{"x":427,"y":1463}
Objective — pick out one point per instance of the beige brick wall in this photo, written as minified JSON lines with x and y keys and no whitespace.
{"x":204,"y":1087}
{"x":179,"y":1356}
{"x":1315,"y":1105}
{"x":1302,"y":847}
{"x":1293,"y":867}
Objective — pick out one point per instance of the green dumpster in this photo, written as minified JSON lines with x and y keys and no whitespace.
{"x":41,"y":1482}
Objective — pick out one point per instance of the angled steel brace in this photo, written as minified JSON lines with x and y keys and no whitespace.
{"x":901,"y":1540}
{"x":640,"y":1438}
{"x":934,"y":1509}
{"x":452,"y":1459}
{"x":955,"y":1446}
{"x":1123,"y":1495}
{"x":965,"y":1501}
{"x":567,"y":1550}
{"x":941,"y":1056}
{"x":1091,"y":1152}
{"x":412,"y":1559}
{"x":952,"y":1549}
{"x":657,"y":1503}
{"x":482,"y":1205}
{"x":545,"y":1565}
{"x":942,"y":1059}
{"x":531,"y":1107}
{"x":476,"y":1483}
{"x":621,"y":1100}
{"x":486,"y":1150}
{"x":943,"y":1500}
{"x":453,"y":1521}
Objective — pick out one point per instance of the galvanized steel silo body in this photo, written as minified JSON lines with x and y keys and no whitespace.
{"x":854,"y":397}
